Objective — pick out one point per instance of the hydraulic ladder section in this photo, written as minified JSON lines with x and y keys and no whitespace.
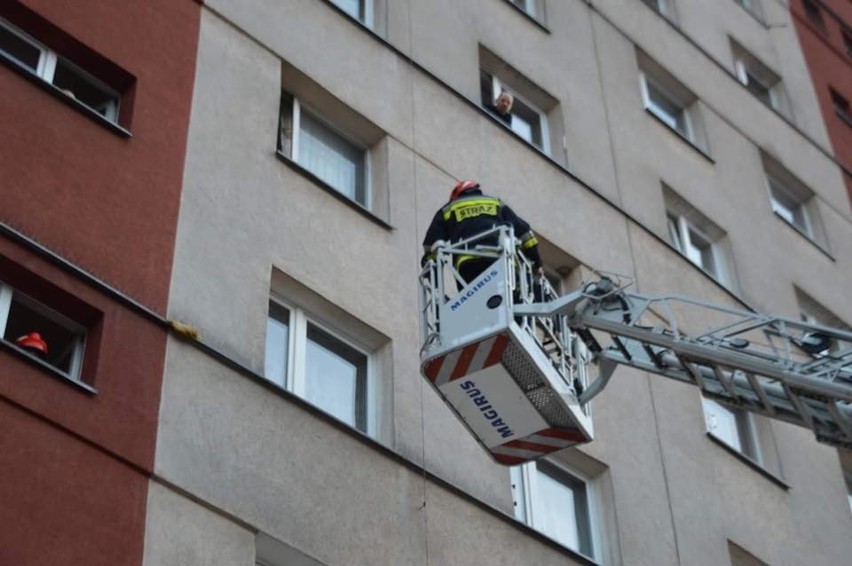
{"x":512,"y":380}
{"x":781,"y":368}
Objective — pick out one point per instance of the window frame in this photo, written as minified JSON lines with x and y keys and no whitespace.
{"x":746,"y":438}
{"x":813,"y":13}
{"x":647,"y":84}
{"x":295,"y":371}
{"x":297,"y":107}
{"x":778,"y":193}
{"x":45,"y":70}
{"x":680,"y":230}
{"x":8,"y":294}
{"x":525,"y":494}
{"x":841,"y":106}
{"x":520,"y":108}
{"x":757,"y":78}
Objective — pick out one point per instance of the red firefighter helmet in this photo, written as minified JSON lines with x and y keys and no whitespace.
{"x":32,"y":341}
{"x":463,"y":186}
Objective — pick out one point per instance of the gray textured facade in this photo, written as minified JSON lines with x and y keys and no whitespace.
{"x":246,"y":471}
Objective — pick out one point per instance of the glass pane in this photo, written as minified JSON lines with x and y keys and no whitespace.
{"x":79,"y":85}
{"x":335,"y":378}
{"x":351,"y":7}
{"x":522,"y":127}
{"x":18,"y":49}
{"x":757,"y":88}
{"x":27,"y":317}
{"x":666,"y":109}
{"x":674,"y":234}
{"x":554,"y":512}
{"x":331,"y":158}
{"x":277,"y":344}
{"x":722,"y":423}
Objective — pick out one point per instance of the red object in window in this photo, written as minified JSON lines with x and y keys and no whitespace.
{"x":32,"y":342}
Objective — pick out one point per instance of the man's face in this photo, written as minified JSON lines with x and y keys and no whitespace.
{"x":504,"y":103}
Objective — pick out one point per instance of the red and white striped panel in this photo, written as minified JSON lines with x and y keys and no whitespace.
{"x":536,"y":445}
{"x":465,"y":361}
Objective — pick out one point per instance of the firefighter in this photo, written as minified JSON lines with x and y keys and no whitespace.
{"x":468,"y":213}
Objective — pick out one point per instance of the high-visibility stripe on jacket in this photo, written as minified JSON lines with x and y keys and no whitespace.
{"x":475,"y":213}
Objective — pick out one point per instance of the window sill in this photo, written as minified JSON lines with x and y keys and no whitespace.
{"x":18,"y":352}
{"x":332,"y":191}
{"x":72,"y":102}
{"x":807,"y":237}
{"x":749,"y":462}
{"x":688,"y":141}
{"x":531,"y":18}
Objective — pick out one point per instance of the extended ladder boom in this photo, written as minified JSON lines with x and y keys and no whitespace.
{"x":510,"y":357}
{"x":781,"y":368}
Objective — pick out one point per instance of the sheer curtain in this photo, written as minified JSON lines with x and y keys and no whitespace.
{"x":331,"y":158}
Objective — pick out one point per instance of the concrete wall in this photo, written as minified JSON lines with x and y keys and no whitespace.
{"x":672,"y":495}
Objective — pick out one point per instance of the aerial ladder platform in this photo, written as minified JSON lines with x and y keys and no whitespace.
{"x":519,"y":364}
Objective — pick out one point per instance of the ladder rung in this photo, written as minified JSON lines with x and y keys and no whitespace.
{"x":693,"y":371}
{"x":727,"y":382}
{"x":801,"y":409}
{"x":758,"y":389}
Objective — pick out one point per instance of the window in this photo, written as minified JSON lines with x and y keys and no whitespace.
{"x":668,"y":100}
{"x":554,"y":502}
{"x":329,"y":358}
{"x":41,"y":331}
{"x":534,"y":114}
{"x":742,"y":557}
{"x":533,"y":8}
{"x":841,"y":106}
{"x":46,"y":64}
{"x":698,"y":238}
{"x":793,"y":202}
{"x":361,"y":10}
{"x":847,"y":41}
{"x":315,"y":364}
{"x":324,"y":151}
{"x":523,"y":118}
{"x":758,"y":78}
{"x":788,"y":207}
{"x":733,"y":427}
{"x":663,"y":7}
{"x":666,"y":108}
{"x":340,"y":150}
{"x":814,"y":14}
{"x":812,"y":312}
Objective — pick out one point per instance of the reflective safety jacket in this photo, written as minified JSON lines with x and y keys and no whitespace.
{"x":472,"y":214}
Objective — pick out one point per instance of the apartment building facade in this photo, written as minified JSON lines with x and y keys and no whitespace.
{"x":824,"y":28}
{"x":95,"y":114}
{"x":678,"y":143}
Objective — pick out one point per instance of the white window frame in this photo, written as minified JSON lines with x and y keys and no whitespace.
{"x":296,"y":113}
{"x":747,"y":73}
{"x":296,"y":372}
{"x":738,"y":433}
{"x":667,"y":118}
{"x":46,"y":71}
{"x":680,"y":232}
{"x":524,"y":480}
{"x":778,"y":194}
{"x":497,"y":87}
{"x":7,"y":292}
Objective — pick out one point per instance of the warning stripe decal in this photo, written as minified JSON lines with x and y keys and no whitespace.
{"x":467,"y":360}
